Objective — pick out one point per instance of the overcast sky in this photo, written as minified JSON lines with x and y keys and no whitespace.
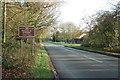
{"x":75,"y":10}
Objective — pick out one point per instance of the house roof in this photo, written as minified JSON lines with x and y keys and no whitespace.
{"x":81,"y":36}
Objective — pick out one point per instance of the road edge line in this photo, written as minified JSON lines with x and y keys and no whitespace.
{"x":96,"y":52}
{"x":53,"y":69}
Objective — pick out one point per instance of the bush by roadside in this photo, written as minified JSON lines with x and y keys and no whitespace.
{"x":28,"y":65}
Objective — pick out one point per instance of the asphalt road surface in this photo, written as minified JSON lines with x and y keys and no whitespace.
{"x":78,"y":64}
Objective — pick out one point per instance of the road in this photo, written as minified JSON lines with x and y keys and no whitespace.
{"x":78,"y":64}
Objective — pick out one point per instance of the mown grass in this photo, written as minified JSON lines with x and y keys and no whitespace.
{"x":42,"y":69}
{"x":78,"y":46}
{"x":65,"y":44}
{"x":95,"y":50}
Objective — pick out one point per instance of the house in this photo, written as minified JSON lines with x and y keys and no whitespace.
{"x":79,"y":39}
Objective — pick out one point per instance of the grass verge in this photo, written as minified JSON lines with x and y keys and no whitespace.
{"x":78,"y":46}
{"x":42,"y":69}
{"x":95,"y":50}
{"x":65,"y":44}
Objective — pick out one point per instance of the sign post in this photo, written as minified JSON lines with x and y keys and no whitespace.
{"x":25,"y":32}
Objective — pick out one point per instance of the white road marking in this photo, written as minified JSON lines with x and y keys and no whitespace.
{"x":85,"y":56}
{"x":93,"y":59}
{"x":71,"y":51}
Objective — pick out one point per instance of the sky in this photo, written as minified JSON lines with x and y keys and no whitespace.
{"x":75,"y":10}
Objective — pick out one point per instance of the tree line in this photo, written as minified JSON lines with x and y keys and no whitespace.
{"x":106,"y":31}
{"x":102,"y":31}
{"x":66,"y":32}
{"x":17,"y":56}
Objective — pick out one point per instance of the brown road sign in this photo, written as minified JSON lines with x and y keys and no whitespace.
{"x":26,"y":31}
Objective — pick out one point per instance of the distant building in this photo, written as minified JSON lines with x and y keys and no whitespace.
{"x":79,"y":39}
